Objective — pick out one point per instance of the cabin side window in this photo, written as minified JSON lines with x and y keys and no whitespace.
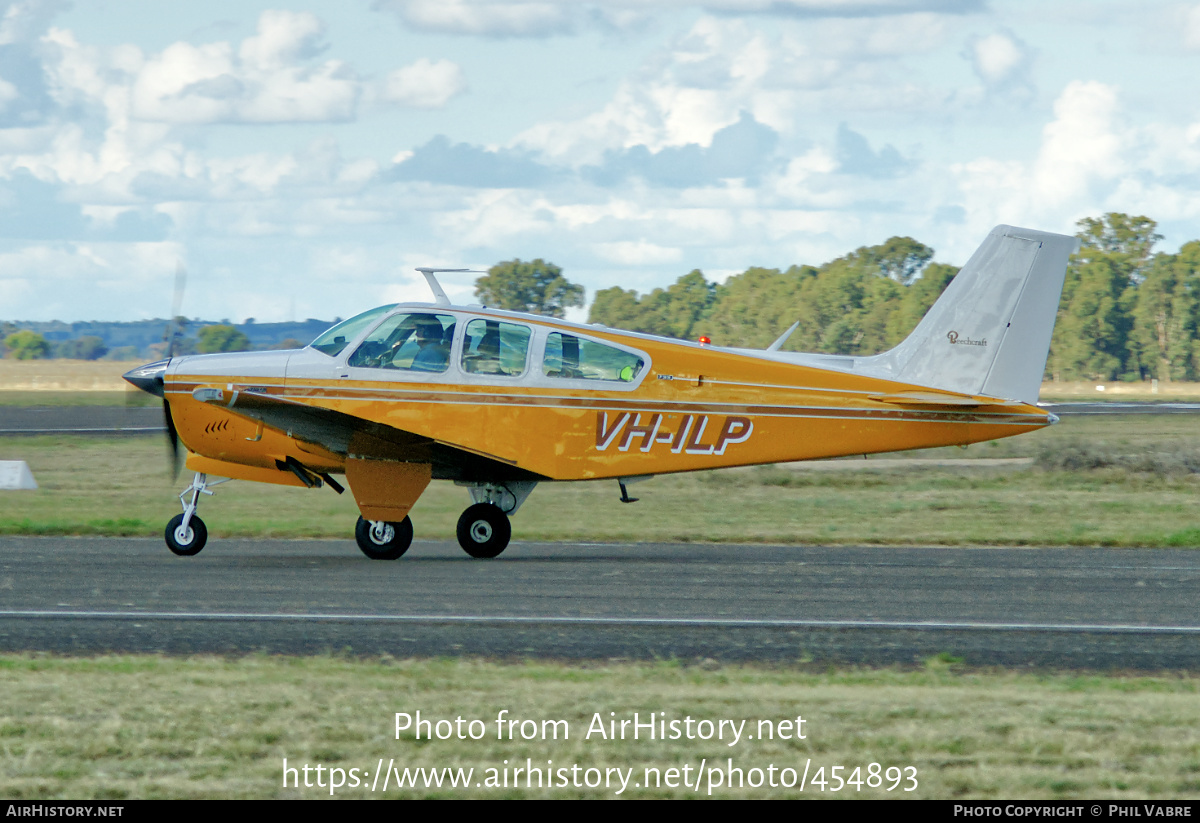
{"x":575,"y":358}
{"x":495,"y":348}
{"x":408,"y":342}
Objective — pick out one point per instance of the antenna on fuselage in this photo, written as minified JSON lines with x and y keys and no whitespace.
{"x":779,"y":341}
{"x":439,"y":295}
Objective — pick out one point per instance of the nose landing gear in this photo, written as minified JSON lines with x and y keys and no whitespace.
{"x":186,"y":536}
{"x":186,"y":533}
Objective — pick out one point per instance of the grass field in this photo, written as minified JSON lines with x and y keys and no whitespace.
{"x":63,"y":376}
{"x":137,"y":727}
{"x":1108,"y":481}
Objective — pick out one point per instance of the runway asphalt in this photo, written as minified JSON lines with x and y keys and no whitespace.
{"x":1054,"y":608}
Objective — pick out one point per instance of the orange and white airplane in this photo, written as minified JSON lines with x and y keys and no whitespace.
{"x":499,"y":401}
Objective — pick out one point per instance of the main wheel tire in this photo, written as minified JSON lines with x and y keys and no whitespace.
{"x":383,"y":541}
{"x":186,"y":543}
{"x":484,"y":530}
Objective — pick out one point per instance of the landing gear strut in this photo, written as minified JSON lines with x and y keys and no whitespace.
{"x":186,"y":533}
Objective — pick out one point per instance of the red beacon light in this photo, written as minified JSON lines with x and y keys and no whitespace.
{"x":704,"y":340}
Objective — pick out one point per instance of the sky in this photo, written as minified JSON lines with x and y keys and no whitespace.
{"x":300,"y":159}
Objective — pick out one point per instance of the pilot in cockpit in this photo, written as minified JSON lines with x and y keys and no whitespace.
{"x":434,"y":348}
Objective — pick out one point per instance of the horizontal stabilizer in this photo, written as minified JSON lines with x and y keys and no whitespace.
{"x":917,"y":398}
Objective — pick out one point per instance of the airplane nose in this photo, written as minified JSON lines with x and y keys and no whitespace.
{"x":149,"y":378}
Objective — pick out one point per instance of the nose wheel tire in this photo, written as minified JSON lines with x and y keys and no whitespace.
{"x":484,"y":530}
{"x":186,"y":542}
{"x":383,"y":541}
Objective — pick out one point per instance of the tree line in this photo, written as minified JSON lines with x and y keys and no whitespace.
{"x":25,"y":344}
{"x":1127,"y":312}
{"x":148,"y":339}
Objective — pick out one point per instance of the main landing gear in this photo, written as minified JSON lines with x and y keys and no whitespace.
{"x":483,"y":529}
{"x":380,"y":540}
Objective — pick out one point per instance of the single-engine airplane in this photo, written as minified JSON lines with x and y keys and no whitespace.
{"x":499,"y":401}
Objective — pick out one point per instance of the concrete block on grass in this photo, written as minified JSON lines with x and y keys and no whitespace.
{"x":15,"y":474}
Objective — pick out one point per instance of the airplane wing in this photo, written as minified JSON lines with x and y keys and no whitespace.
{"x":346,"y":434}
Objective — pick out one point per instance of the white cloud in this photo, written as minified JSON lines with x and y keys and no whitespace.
{"x":268,"y":80}
{"x":544,"y":18}
{"x":496,"y":18}
{"x":496,"y":218}
{"x":426,"y":84}
{"x":638,"y":253}
{"x":785,"y":76}
{"x":1090,"y":161}
{"x":283,"y":38}
{"x":997,"y":56}
{"x":840,"y":8}
{"x":1003,"y":62}
{"x":1080,"y":146}
{"x":23,"y":20}
{"x":8,"y":93}
{"x":44,"y":282}
{"x":710,"y":75}
{"x":1191,"y":28}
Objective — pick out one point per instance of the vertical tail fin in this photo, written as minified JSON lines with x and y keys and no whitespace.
{"x":989,"y":332}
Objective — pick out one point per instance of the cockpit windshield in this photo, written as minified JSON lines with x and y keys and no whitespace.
{"x":337,"y":338}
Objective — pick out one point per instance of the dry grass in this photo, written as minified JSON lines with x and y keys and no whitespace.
{"x":63,"y":375}
{"x":1120,"y":392}
{"x":134,"y":727}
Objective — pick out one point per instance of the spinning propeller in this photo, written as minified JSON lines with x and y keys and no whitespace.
{"x":149,"y":378}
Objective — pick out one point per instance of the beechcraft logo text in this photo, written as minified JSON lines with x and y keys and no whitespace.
{"x":957,"y":339}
